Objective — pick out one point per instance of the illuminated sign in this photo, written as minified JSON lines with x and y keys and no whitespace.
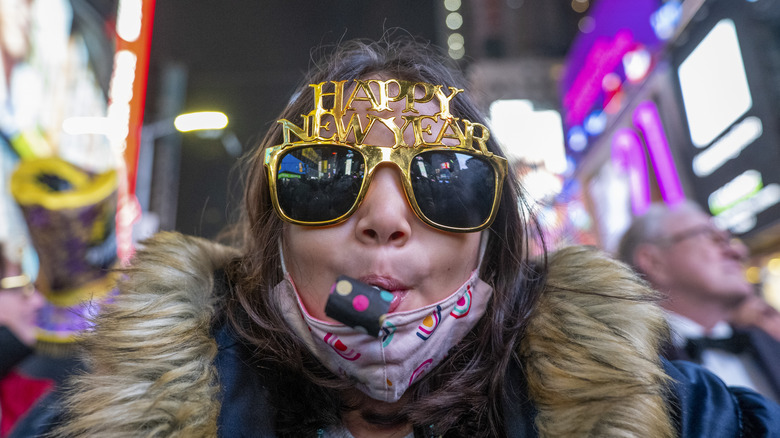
{"x":619,"y":51}
{"x":628,"y":155}
{"x":740,"y":136}
{"x":743,"y":187}
{"x":714,"y":86}
{"x":732,"y":145}
{"x":647,"y":119}
{"x":127,"y":97}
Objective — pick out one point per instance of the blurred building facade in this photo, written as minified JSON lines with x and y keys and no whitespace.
{"x":679,"y":99}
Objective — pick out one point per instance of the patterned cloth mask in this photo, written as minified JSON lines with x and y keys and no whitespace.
{"x":411,"y":344}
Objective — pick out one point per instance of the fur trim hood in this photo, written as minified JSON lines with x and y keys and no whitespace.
{"x":590,"y":352}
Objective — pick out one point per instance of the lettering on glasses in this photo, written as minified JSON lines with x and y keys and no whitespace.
{"x":331,"y":107}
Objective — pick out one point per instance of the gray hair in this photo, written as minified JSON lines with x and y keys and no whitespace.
{"x":649,"y":227}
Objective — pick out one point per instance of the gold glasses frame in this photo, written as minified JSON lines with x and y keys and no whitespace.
{"x":402,"y":158}
{"x":333,"y":122}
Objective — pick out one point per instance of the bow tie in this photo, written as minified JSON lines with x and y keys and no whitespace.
{"x":738,"y":343}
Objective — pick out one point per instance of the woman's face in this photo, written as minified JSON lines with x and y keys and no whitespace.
{"x":383,"y":243}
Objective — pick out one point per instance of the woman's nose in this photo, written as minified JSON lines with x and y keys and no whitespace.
{"x":384,"y":216}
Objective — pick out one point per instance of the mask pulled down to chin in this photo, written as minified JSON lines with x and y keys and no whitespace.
{"x":411,"y":343}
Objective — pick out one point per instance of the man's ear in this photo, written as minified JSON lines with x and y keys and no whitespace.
{"x":649,"y":260}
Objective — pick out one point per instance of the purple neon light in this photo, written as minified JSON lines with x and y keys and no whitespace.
{"x":610,"y":17}
{"x":603,"y":58}
{"x":628,"y":156}
{"x":648,"y":121}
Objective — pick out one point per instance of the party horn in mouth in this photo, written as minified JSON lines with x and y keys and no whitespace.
{"x":358,"y":305}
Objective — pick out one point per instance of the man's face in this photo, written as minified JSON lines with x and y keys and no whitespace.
{"x":698,"y":258}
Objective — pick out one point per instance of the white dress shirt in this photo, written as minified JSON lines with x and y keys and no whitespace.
{"x":734,"y":369}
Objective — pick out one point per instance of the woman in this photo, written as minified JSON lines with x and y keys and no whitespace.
{"x":380,"y":169}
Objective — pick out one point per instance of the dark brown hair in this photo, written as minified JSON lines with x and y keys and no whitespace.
{"x":463,"y":396}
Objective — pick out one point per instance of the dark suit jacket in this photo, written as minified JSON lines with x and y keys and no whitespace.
{"x":764,"y":349}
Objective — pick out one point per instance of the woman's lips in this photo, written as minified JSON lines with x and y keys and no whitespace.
{"x":398,"y":297}
{"x":390,"y":284}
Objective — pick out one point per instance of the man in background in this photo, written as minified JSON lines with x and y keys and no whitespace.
{"x":699,"y":270}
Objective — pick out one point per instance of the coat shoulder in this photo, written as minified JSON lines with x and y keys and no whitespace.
{"x":591,"y":350}
{"x":151,"y":351}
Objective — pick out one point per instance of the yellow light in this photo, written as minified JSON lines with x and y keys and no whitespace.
{"x":753,"y":274}
{"x":774,"y":266}
{"x":456,"y":54}
{"x":452,"y":5}
{"x":455,"y":41}
{"x":580,"y":5}
{"x":200,"y":121}
{"x":454,"y":20}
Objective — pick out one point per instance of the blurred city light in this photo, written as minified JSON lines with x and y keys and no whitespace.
{"x":714,"y":85}
{"x":200,"y":120}
{"x":90,"y":125}
{"x":666,"y":19}
{"x":740,"y":188}
{"x":595,"y":123}
{"x":587,"y":24}
{"x":456,"y":53}
{"x":636,"y":64}
{"x":753,"y":274}
{"x":580,"y":5}
{"x":455,"y":41}
{"x":541,"y":185}
{"x":452,"y":5}
{"x":528,"y":134}
{"x":454,"y":21}
{"x":129,"y":19}
{"x":578,"y":138}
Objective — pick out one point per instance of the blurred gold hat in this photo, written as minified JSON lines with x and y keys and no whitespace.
{"x":70,"y":215}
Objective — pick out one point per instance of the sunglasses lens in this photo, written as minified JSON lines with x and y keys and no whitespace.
{"x":453,"y":189}
{"x":319,"y":183}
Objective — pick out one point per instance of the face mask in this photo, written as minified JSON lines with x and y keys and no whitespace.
{"x":412,"y":342}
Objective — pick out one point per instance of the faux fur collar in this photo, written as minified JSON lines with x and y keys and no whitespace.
{"x":590,"y":353}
